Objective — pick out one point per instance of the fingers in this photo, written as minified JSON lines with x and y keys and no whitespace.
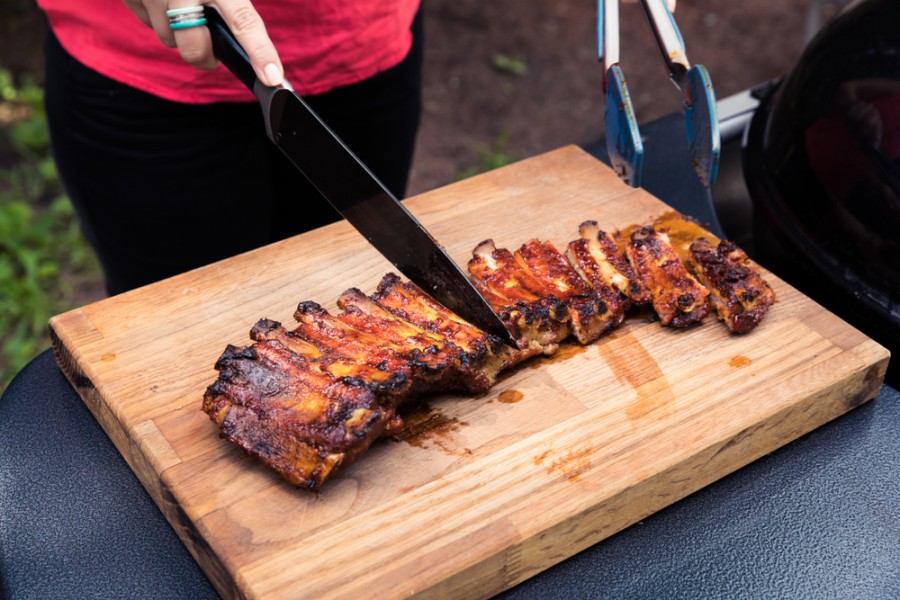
{"x":138,"y":9}
{"x":248,"y":28}
{"x":152,"y":14}
{"x":194,"y":43}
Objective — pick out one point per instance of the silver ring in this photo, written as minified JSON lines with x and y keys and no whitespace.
{"x":184,"y":18}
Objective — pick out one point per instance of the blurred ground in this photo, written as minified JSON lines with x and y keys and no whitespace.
{"x":527,"y":72}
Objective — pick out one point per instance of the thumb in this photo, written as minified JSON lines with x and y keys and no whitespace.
{"x":250,"y":31}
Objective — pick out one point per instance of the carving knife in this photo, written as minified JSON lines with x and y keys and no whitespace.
{"x":354,"y":191}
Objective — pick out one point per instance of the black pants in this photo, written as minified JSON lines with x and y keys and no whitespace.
{"x":162,"y":187}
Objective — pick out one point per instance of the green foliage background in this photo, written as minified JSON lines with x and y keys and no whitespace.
{"x":44,"y":261}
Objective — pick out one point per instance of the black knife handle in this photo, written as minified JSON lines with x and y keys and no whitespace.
{"x":228,"y":50}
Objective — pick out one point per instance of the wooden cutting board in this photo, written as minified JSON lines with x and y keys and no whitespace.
{"x":479,"y":493}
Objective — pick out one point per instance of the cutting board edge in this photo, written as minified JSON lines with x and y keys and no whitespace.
{"x":137,"y":461}
{"x":575,"y":534}
{"x":718,"y":460}
{"x":460,"y":568}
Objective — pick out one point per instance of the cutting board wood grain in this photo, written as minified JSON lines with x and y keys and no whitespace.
{"x":479,"y":492}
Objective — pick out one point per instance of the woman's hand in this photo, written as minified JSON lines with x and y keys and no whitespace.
{"x":194,"y":43}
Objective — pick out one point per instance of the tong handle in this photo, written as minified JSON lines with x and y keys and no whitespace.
{"x":668,"y":38}
{"x":608,"y":33}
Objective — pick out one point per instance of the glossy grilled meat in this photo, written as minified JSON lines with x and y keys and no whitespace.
{"x":486,"y":353}
{"x":459,"y":370}
{"x":308,"y":402}
{"x":383,"y":382}
{"x":589,"y":316}
{"x":677,"y":297}
{"x":739,"y":294}
{"x":538,"y":322}
{"x":597,"y":259}
{"x":538,"y":294}
{"x":424,"y":365}
{"x":301,"y":422}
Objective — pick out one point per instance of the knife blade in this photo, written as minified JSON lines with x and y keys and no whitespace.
{"x":354,"y":191}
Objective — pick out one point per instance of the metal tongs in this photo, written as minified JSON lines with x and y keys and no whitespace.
{"x":623,"y":138}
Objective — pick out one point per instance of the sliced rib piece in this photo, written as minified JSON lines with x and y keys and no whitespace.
{"x":485,"y":352}
{"x":738,"y":292}
{"x":597,"y":258}
{"x":426,"y":368}
{"x":299,"y":421}
{"x":364,"y":314}
{"x":382,"y":382}
{"x":677,"y":297}
{"x":537,"y":322}
{"x":589,"y":316}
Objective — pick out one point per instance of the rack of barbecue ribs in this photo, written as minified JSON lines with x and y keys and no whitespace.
{"x":310,"y":400}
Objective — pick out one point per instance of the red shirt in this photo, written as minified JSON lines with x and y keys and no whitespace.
{"x":323,"y":44}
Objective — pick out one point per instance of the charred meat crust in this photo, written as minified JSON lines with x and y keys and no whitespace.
{"x":425,"y":365}
{"x":678,"y":299}
{"x":538,"y":321}
{"x":597,"y":258}
{"x":588,"y":315}
{"x":460,"y":371}
{"x":303,"y":424}
{"x":309,"y":401}
{"x":483,"y":355}
{"x":380,"y":381}
{"x":738,"y":293}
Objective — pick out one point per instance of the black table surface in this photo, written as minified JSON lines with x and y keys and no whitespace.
{"x":818,"y":518}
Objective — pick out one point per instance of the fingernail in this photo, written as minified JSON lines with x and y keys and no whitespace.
{"x":273,"y":74}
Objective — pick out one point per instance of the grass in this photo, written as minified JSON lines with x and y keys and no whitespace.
{"x":490,"y":157}
{"x":44,"y":261}
{"x":514,"y":65}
